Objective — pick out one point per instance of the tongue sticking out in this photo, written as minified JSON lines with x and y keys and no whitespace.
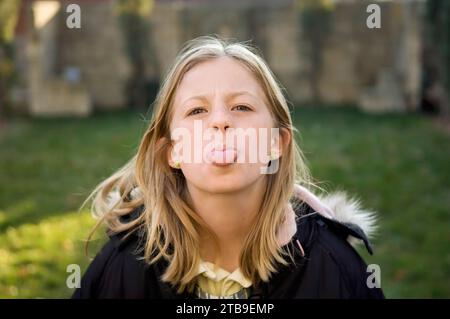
{"x":223,"y":156}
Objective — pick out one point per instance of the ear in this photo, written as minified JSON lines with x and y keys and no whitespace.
{"x":284,"y":139}
{"x":164,"y":144}
{"x":173,"y":159}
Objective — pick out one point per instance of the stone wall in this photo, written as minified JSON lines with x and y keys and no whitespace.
{"x":97,"y":49}
{"x":49,"y":94}
{"x":378,"y":69}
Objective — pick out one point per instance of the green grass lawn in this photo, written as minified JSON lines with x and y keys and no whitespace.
{"x":398,"y":165}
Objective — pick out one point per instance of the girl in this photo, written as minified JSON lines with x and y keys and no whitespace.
{"x":195,"y":214}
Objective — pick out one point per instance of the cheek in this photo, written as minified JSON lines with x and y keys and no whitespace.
{"x":256,"y":144}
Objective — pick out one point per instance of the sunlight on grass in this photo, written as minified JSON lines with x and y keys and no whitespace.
{"x":33,"y":258}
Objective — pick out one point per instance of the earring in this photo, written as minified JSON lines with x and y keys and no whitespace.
{"x":274,"y":154}
{"x":176,"y":165}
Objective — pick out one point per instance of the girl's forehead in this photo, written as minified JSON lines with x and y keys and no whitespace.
{"x":222,"y":75}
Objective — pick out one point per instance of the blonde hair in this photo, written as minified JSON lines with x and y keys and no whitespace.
{"x":170,"y":224}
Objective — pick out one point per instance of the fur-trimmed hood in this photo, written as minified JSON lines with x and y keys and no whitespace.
{"x":338,"y":206}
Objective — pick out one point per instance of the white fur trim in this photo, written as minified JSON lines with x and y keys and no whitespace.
{"x":113,"y":198}
{"x":340,"y":207}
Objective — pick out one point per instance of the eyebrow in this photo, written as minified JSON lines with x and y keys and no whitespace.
{"x":228,"y":96}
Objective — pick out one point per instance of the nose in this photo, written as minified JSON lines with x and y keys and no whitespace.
{"x":220,"y":119}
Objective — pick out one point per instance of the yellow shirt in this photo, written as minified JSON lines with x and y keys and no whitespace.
{"x":214,"y":282}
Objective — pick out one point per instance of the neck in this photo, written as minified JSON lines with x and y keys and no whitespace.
{"x":231,"y":216}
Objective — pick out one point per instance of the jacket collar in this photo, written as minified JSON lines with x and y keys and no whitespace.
{"x":340,"y":209}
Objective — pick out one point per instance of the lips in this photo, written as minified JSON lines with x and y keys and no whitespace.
{"x":222,"y":157}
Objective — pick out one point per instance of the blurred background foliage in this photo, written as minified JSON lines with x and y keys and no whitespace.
{"x":437,"y":51}
{"x":133,"y":15}
{"x":8,"y":19}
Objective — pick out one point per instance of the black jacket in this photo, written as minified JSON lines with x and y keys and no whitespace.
{"x":329,"y":268}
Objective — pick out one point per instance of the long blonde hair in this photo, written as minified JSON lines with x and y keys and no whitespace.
{"x":170,"y":224}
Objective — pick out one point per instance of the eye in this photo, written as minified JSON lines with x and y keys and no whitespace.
{"x":196,"y":111}
{"x":242,"y":107}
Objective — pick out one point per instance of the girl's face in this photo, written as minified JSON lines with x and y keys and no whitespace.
{"x":221,"y":127}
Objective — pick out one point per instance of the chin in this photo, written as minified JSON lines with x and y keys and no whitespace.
{"x":218,"y":185}
{"x":218,"y":180}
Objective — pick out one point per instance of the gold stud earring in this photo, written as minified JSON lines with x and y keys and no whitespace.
{"x":274,"y":154}
{"x":176,"y":164}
